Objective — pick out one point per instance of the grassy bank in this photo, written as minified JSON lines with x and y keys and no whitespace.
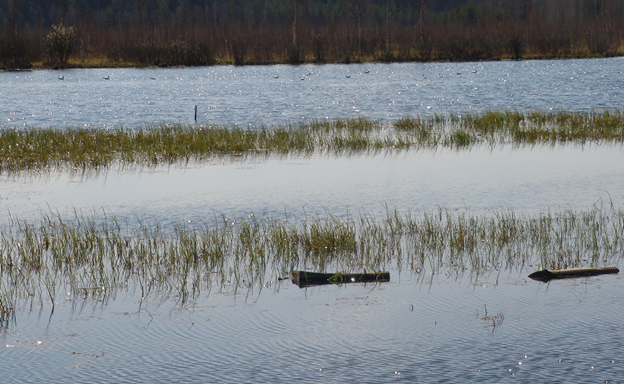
{"x":94,"y":257}
{"x":160,"y":58}
{"x":93,"y":149}
{"x":394,"y":56}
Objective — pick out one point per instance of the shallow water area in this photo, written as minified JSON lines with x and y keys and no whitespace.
{"x":525,"y":179}
{"x":449,"y":326}
{"x":416,"y":328}
{"x":428,"y":324}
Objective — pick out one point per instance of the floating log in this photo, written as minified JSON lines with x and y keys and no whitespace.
{"x":303,"y":278}
{"x":546,"y":275}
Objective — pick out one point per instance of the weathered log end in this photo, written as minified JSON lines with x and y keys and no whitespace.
{"x":303,"y":278}
{"x":541,"y":275}
{"x":546,"y":275}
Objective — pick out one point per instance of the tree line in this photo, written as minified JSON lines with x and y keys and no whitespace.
{"x":35,"y":14}
{"x":204,"y":32}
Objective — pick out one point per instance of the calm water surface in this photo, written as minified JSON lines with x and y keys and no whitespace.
{"x":417,"y":328}
{"x":528,"y":179}
{"x":282,"y":94}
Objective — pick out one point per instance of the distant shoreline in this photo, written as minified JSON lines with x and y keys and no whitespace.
{"x":145,"y":33}
{"x":104,"y":63}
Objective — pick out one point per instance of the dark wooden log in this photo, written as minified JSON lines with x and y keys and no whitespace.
{"x":546,"y":275}
{"x":303,"y":278}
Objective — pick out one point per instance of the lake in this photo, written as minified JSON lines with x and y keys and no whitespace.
{"x":282,"y":94}
{"x":422,"y":326}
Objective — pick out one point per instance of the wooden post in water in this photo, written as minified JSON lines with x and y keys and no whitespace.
{"x":196,"y":113}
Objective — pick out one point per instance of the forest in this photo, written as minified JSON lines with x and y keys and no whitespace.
{"x":61,"y":33}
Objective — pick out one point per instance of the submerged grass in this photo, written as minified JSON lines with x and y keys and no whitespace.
{"x":93,"y":149}
{"x":95,"y":256}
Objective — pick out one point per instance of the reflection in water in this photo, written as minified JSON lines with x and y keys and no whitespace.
{"x":527,"y":178}
{"x":91,"y":257}
{"x":333,"y":333}
{"x":85,"y":150}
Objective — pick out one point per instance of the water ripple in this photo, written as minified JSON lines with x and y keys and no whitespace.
{"x":252,"y":95}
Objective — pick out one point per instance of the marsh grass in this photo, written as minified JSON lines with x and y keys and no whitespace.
{"x":94,"y":257}
{"x":80,"y":149}
{"x":514,"y":127}
{"x":77,"y":148}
